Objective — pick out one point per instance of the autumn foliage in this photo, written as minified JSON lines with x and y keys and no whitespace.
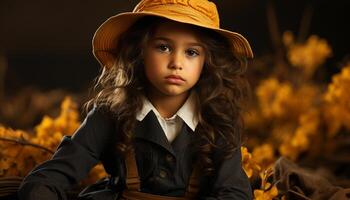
{"x":22,"y":151}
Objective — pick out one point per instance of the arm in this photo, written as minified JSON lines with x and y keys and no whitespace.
{"x":229,"y":181}
{"x":72,"y":161}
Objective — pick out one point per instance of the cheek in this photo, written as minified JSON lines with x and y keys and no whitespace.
{"x":197,"y":69}
{"x":152,"y":70}
{"x":153,"y":61}
{"x":149,"y":65}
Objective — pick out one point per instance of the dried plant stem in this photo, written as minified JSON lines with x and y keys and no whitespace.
{"x":305,"y":23}
{"x":25,"y":143}
{"x":276,"y":39}
{"x":275,"y":34}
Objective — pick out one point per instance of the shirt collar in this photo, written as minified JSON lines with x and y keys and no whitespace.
{"x":186,"y":112}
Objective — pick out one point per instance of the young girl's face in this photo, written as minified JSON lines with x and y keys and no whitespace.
{"x":173,"y":59}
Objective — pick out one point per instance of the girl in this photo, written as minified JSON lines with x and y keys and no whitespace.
{"x":166,"y":120}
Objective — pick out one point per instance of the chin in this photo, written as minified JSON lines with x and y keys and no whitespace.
{"x":173,"y":92}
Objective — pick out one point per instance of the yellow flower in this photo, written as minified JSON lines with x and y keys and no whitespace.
{"x":68,"y":121}
{"x":310,"y":55}
{"x":292,"y":146}
{"x":50,"y":131}
{"x":266,"y":195}
{"x":333,"y":118}
{"x":273,"y":97}
{"x":288,"y":38}
{"x":281,"y":100}
{"x":300,"y":140}
{"x":304,"y":97}
{"x":46,"y":126}
{"x":266,"y":191}
{"x":248,"y":164}
{"x":286,"y":149}
{"x":264,"y":155}
{"x":17,"y":159}
{"x":337,"y":107}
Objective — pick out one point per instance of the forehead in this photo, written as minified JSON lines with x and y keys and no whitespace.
{"x":176,"y":30}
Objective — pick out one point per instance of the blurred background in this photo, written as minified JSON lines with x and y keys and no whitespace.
{"x":301,"y":53}
{"x":47,"y":44}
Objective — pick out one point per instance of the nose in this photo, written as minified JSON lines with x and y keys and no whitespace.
{"x":176,"y":61}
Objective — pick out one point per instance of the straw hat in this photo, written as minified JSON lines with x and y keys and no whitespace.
{"x":201,"y":13}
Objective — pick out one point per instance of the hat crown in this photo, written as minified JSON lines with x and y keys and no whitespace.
{"x":201,"y":13}
{"x":200,"y":9}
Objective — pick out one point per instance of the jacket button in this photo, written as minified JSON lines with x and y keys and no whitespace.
{"x":169,"y":158}
{"x":162,"y":174}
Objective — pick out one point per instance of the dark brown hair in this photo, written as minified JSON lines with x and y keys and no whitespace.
{"x":219,"y":92}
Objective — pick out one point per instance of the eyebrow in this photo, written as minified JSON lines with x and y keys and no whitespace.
{"x":171,"y":41}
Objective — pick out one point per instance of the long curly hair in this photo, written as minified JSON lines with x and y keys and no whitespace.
{"x":219,"y":93}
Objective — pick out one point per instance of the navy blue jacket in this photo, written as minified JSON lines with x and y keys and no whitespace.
{"x":164,"y":167}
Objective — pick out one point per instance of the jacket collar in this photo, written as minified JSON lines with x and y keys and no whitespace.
{"x":186,"y":112}
{"x":150,"y":130}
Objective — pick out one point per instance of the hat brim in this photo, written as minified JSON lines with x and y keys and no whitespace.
{"x":106,"y":36}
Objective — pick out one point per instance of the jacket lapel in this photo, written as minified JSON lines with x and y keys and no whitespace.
{"x":182,"y":140}
{"x":150,"y":130}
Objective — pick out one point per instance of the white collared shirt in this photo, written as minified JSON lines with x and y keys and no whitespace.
{"x":172,"y":125}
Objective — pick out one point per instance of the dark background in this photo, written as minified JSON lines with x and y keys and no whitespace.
{"x":48,"y":43}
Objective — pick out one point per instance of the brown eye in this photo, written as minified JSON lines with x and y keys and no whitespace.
{"x":192,"y":53}
{"x":163,"y":48}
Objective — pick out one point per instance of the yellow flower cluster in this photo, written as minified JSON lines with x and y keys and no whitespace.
{"x":337,"y":106}
{"x":20,"y":152}
{"x":12,"y":155}
{"x":50,"y":131}
{"x":307,"y":56}
{"x":267,"y":190}
{"x":300,"y":141}
{"x":273,"y":97}
{"x":279,"y":100}
{"x":289,"y":116}
{"x":248,"y":164}
{"x":262,"y":156}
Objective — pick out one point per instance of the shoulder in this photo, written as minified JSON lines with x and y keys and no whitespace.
{"x":96,"y":129}
{"x":100,"y":116}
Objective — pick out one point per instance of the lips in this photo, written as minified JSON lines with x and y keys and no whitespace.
{"x":175,"y":79}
